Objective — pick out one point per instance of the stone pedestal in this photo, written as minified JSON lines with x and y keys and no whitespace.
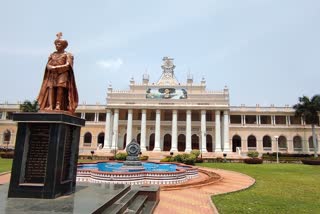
{"x":46,"y":155}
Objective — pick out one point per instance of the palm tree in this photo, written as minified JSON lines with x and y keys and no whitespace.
{"x":308,"y":109}
{"x":28,"y":106}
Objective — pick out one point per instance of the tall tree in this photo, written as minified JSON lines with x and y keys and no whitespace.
{"x":28,"y":106}
{"x":308,"y":109}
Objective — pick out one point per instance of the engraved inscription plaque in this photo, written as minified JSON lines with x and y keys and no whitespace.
{"x":35,"y":169}
{"x":67,"y":155}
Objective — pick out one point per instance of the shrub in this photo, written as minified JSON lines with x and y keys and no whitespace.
{"x":166,"y":159}
{"x":253,"y":160}
{"x":121,"y":156}
{"x":253,"y":154}
{"x":190,"y":160}
{"x":8,"y":155}
{"x":144,"y":157}
{"x":178,"y":158}
{"x":315,"y":161}
{"x":195,"y":152}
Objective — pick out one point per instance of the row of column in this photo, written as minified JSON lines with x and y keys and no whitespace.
{"x":221,"y":135}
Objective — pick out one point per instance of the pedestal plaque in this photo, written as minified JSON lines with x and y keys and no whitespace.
{"x":46,"y":155}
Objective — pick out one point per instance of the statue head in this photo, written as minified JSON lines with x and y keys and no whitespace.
{"x":60,"y":44}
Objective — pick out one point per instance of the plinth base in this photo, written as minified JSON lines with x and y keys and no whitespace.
{"x":46,"y":155}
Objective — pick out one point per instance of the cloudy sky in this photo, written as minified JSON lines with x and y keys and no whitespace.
{"x":265,"y":51}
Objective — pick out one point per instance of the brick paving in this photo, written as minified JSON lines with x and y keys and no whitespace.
{"x":193,"y":199}
{"x":4,"y":178}
{"x":198,"y":199}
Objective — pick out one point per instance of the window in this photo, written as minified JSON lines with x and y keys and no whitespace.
{"x":251,"y":119}
{"x":90,"y":116}
{"x":265,"y":119}
{"x":295,"y":120}
{"x":9,"y":115}
{"x":280,"y":120}
{"x":102,"y":117}
{"x":235,"y":119}
{"x":87,"y":139}
{"x":6,"y":137}
{"x":297,"y":143}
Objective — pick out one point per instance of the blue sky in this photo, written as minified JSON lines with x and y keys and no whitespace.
{"x":265,"y":51}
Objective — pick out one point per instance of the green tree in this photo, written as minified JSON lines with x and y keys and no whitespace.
{"x":308,"y":109}
{"x":28,"y":106}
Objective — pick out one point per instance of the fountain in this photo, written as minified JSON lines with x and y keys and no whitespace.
{"x":132,"y":162}
{"x":133,"y":171}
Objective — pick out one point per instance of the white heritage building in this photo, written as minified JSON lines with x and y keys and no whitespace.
{"x":178,"y":117}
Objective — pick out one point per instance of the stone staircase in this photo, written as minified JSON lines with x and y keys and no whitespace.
{"x":136,"y":200}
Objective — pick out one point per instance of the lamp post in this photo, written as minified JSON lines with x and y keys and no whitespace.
{"x":277,"y":148}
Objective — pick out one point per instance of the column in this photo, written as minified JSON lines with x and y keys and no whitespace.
{"x":143,"y":130}
{"x":218,"y":131}
{"x":174,"y":136}
{"x":226,"y":139}
{"x":203,"y":132}
{"x":96,"y":116}
{"x":129,"y":127}
{"x":157,"y":134}
{"x":188,"y":132}
{"x":107,"y":130}
{"x":115,"y":129}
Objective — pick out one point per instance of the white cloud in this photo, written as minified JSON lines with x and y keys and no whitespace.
{"x":110,"y":64}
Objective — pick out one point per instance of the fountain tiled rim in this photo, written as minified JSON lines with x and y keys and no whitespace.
{"x":160,"y":178}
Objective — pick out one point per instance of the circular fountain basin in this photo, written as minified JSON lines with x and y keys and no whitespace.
{"x":152,"y":173}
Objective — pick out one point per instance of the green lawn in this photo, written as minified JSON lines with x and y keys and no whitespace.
{"x":279,"y":188}
{"x":5,"y":165}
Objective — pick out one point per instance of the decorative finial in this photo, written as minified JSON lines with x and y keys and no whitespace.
{"x":59,"y":35}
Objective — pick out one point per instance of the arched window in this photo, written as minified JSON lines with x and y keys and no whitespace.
{"x":6,"y":136}
{"x":124,"y":141}
{"x":266,"y":141}
{"x":236,"y":142}
{"x":194,"y":142}
{"x":167,"y":142}
{"x":151,"y":142}
{"x":282,"y":143}
{"x":181,"y":143}
{"x":311,"y":147}
{"x":139,"y":138}
{"x":209,"y":143}
{"x":87,"y":139}
{"x":252,"y":142}
{"x":297,"y":143}
{"x":101,"y":140}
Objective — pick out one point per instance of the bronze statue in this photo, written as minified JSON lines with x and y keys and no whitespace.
{"x":59,"y":91}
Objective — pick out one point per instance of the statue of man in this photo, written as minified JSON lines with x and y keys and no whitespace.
{"x":59,"y":91}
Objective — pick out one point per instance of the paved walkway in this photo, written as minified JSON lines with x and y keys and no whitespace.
{"x":4,"y":178}
{"x":194,"y":199}
{"x":198,"y":199}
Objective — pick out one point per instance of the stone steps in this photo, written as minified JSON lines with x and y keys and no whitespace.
{"x":139,"y":199}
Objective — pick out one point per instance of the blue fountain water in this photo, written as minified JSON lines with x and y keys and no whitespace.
{"x":115,"y":167}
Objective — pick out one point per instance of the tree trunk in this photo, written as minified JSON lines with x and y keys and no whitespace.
{"x":314,"y":139}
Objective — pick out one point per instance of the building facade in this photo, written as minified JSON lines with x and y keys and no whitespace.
{"x":179,"y":117}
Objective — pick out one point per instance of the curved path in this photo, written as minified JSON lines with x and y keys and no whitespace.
{"x":198,"y":199}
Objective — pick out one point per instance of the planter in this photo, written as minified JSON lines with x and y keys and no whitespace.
{"x":253,"y":160}
{"x":311,"y":162}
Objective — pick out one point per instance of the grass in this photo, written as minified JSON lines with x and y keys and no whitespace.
{"x":5,"y":165}
{"x":279,"y":188}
